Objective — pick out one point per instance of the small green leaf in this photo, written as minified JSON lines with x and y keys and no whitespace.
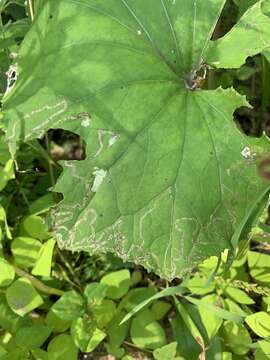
{"x":34,"y":226}
{"x":4,"y":152}
{"x":259,"y":266}
{"x":8,"y":319}
{"x":192,"y":327}
{"x":266,"y":303}
{"x":214,"y":349}
{"x":117,"y":352}
{"x":234,"y":308}
{"x":22,"y":297}
{"x":160,"y":309}
{"x":167,"y":352}
{"x":236,"y":337}
{"x":210,"y":321}
{"x":69,"y":307}
{"x":146,"y":332}
{"x":6,"y":174}
{"x":166,"y":292}
{"x":104,"y":312}
{"x":136,"y":296}
{"x":85,"y":334}
{"x":241,"y":258}
{"x":188,"y":347}
{"x":32,"y":337}
{"x":25,"y":251}
{"x":136,"y":277}
{"x":118,"y":283}
{"x":207,"y":266}
{"x":7,"y":273}
{"x":238,"y":295}
{"x":62,"y":347}
{"x":221,"y":313}
{"x":16,"y":354}
{"x":227,"y":356}
{"x":117,"y":333}
{"x":244,"y":73}
{"x":263,"y":350}
{"x":44,"y":262}
{"x":13,"y":30}
{"x":57,"y":324}
{"x":40,"y":354}
{"x":95,"y":293}
{"x":198,"y":285}
{"x":259,"y":323}
{"x":42,"y":204}
{"x":2,"y":351}
{"x":266,"y":7}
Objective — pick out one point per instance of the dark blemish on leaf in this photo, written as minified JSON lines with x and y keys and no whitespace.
{"x":18,"y":39}
{"x":264,"y":168}
{"x":51,"y":16}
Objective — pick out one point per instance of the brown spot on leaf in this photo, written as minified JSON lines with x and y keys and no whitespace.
{"x":264,"y":168}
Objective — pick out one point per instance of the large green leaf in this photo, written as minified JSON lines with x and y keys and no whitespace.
{"x":169,"y":180}
{"x":250,"y":36}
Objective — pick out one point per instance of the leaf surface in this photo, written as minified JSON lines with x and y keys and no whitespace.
{"x":168,"y":179}
{"x":22,"y":297}
{"x":250,"y":36}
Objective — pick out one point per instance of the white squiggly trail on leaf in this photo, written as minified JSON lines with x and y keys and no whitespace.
{"x":58,"y":109}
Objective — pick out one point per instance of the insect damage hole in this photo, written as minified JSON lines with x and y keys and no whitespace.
{"x":12,"y":75}
{"x":64,"y":145}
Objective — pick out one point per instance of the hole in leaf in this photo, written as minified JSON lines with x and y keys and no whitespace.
{"x":227,"y":20}
{"x":18,"y":39}
{"x":243,"y":119}
{"x":64,"y":145}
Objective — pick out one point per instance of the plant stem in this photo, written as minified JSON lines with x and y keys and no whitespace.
{"x":49,"y":162}
{"x":70,"y":269}
{"x":265,"y":76}
{"x":211,"y":83}
{"x":37,"y":283}
{"x":243,"y":285}
{"x":31,"y":9}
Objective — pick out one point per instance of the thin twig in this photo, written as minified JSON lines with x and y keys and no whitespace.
{"x":37,"y":283}
{"x":70,"y":269}
{"x":31,"y":9}
{"x":51,"y":173}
